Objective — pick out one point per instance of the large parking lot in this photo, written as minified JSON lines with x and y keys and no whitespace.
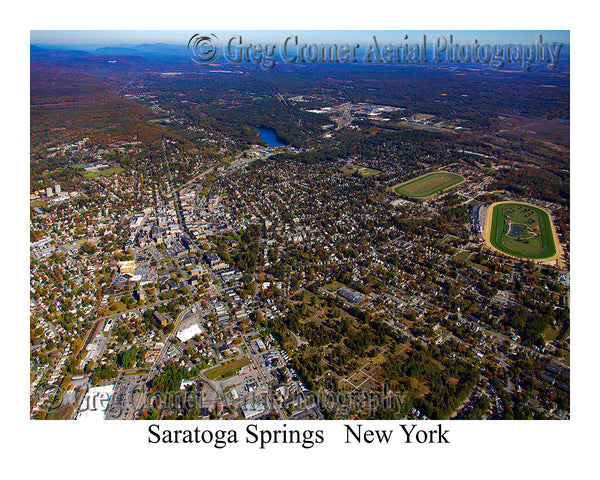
{"x":125,"y":396}
{"x":146,"y":273}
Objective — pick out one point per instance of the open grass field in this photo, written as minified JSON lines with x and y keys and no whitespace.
{"x":333,"y":286}
{"x":449,"y":239}
{"x":104,"y":173}
{"x":462,"y":256}
{"x":428,"y":185}
{"x":349,"y":169}
{"x":368,"y":172}
{"x":521,"y":230}
{"x":227,"y":369}
{"x":112,"y":309}
{"x":38,"y":203}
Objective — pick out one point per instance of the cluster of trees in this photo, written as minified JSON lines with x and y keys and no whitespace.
{"x":529,"y":325}
{"x":104,"y":372}
{"x":487,"y":96}
{"x":448,"y":386}
{"x":324,"y":334}
{"x":337,"y":339}
{"x":534,"y":183}
{"x":246,"y":256}
{"x":237,"y":106}
{"x":169,"y":380}
{"x":130,"y":357}
{"x":310,"y":157}
{"x":123,"y":334}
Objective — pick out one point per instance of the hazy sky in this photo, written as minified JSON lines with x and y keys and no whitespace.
{"x":105,"y":37}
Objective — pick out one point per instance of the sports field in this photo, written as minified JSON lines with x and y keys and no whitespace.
{"x":364,"y":171}
{"x":104,"y":173}
{"x":521,"y":230}
{"x":428,"y":184}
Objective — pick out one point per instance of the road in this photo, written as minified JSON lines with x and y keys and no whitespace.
{"x":171,"y":184}
{"x":159,"y":359}
{"x":258,"y":368}
{"x":139,"y":309}
{"x":200,"y":175}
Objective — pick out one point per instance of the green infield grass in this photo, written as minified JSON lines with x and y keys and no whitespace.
{"x":428,"y":185}
{"x":523,"y":231}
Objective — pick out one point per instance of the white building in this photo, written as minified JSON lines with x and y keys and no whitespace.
{"x":189,"y":332}
{"x":253,"y":410}
{"x":95,"y":403}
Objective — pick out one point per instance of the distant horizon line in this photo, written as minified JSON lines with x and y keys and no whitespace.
{"x":99,"y":38}
{"x":103,"y":45}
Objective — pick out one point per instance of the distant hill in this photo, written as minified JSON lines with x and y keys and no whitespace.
{"x":110,"y":59}
{"x":63,"y":60}
{"x":124,"y":49}
{"x":144,"y":50}
{"x":39,"y":53}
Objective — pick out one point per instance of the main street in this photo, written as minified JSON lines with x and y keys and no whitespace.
{"x":171,"y":184}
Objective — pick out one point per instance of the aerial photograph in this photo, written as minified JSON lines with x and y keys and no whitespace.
{"x":299,"y":225}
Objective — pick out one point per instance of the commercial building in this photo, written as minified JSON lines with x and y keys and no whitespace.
{"x":350,"y":295}
{"x":161,"y":319}
{"x":478,"y":218}
{"x":253,"y":410}
{"x":189,"y":332}
{"x":95,"y":403}
{"x":127,"y":266}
